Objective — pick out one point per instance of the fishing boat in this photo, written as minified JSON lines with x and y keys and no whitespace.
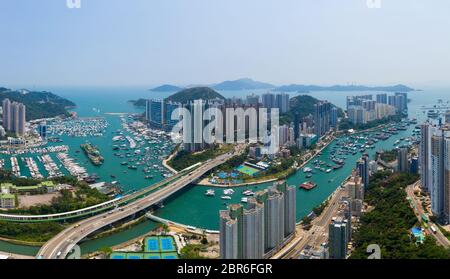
{"x":307,"y":169}
{"x":248,"y":193}
{"x":308,"y":185}
{"x":228,"y":192}
{"x":210,"y":193}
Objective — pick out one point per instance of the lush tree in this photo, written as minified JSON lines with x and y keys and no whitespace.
{"x":389,"y":223}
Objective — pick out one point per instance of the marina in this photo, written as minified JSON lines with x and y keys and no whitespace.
{"x":78,"y":127}
{"x":74,"y":168}
{"x":50,"y":166}
{"x":204,"y":213}
{"x":32,"y":166}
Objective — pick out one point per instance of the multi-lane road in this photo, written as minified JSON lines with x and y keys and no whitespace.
{"x":318,"y":233}
{"x":419,"y":211}
{"x":59,"y":246}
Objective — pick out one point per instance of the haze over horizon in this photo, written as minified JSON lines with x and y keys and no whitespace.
{"x":149,"y":43}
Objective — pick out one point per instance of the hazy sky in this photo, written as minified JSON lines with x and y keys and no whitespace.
{"x":148,"y":42}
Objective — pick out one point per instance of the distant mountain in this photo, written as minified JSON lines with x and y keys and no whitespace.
{"x":38,"y":104}
{"x":190,"y":94}
{"x":166,"y":88}
{"x":308,"y":88}
{"x":303,"y":105}
{"x":242,"y":84}
{"x":139,"y":102}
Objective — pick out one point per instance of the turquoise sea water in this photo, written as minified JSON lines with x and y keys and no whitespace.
{"x":191,"y":206}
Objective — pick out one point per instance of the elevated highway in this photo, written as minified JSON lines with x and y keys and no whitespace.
{"x":60,"y":246}
{"x":92,"y":210}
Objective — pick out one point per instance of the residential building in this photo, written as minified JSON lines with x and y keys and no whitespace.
{"x":14,"y":117}
{"x":268,"y":100}
{"x":414,"y":165}
{"x":382,"y":98}
{"x":252,"y":100}
{"x":7,"y":123}
{"x":334,"y":118}
{"x":260,"y":229}
{"x":362,"y":167}
{"x":402,"y":160}
{"x":425,"y":156}
{"x":306,"y":140}
{"x":42,"y":130}
{"x":282,"y":102}
{"x":322,"y":114}
{"x":437,"y":175}
{"x":338,"y":237}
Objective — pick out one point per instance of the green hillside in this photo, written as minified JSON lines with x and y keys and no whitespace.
{"x":195,"y":93}
{"x":38,"y":104}
{"x":303,"y":105}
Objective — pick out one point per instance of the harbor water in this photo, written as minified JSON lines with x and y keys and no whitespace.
{"x":191,"y":206}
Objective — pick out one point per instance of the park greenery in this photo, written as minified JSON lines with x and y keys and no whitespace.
{"x":389,"y":156}
{"x":33,"y":232}
{"x":185,"y":159}
{"x":389,"y":223}
{"x":192,"y":251}
{"x":82,"y":196}
{"x":279,"y":168}
{"x":303,"y":105}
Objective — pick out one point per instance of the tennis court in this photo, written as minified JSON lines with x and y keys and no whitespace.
{"x":169,"y":256}
{"x":151,"y":244}
{"x":135,"y":256}
{"x":152,"y":256}
{"x":167,"y":244}
{"x":155,"y":248}
{"x":247,"y":170}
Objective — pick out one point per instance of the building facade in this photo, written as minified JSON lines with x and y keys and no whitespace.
{"x":260,"y":229}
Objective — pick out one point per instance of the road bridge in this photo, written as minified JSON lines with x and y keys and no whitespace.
{"x":61,"y":245}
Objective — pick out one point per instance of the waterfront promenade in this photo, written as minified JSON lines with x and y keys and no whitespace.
{"x":309,"y":156}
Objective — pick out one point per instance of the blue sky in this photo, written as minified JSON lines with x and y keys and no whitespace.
{"x":149,"y":42}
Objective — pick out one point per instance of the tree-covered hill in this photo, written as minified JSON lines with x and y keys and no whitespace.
{"x":38,"y":104}
{"x":195,"y":93}
{"x":303,"y":105}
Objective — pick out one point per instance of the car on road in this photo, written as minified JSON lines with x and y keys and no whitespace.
{"x":433,"y":229}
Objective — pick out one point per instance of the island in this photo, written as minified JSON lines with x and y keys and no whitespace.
{"x":166,"y":88}
{"x":242,"y":84}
